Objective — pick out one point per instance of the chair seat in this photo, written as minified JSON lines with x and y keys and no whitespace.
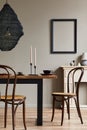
{"x":17,"y":97}
{"x":63,"y":94}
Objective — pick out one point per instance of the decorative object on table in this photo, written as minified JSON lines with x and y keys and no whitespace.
{"x":31,"y":59}
{"x":20,"y":73}
{"x":35,"y":61}
{"x":72,"y":63}
{"x":47,"y":72}
{"x":30,"y":68}
{"x":84,"y":59}
{"x":79,"y":64}
{"x":34,"y":69}
{"x":10,"y":28}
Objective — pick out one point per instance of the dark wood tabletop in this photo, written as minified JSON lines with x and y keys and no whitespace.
{"x":30,"y":76}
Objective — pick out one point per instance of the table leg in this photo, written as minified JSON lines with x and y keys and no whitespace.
{"x":40,"y":103}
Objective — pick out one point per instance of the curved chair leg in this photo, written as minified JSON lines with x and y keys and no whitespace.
{"x":78,"y":110}
{"x":24,"y":115}
{"x":68,"y":108}
{"x":13,"y":120}
{"x":80,"y":115}
{"x":62,"y":111}
{"x":53,"y":108}
{"x":5,"y":115}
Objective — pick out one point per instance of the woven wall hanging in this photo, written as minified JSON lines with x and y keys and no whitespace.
{"x":10,"y":28}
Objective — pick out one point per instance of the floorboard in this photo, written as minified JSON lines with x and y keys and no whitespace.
{"x":72,"y":124}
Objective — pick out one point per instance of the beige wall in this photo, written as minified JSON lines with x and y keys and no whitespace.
{"x":35,"y":17}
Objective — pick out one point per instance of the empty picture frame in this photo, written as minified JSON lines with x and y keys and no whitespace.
{"x":63,"y":35}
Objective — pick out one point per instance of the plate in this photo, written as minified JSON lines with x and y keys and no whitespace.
{"x":45,"y":74}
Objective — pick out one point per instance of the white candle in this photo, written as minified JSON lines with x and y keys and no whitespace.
{"x":35,"y":57}
{"x":31,"y":54}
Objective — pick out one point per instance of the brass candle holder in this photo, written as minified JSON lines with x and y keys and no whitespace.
{"x":30,"y":68}
{"x":35,"y":69}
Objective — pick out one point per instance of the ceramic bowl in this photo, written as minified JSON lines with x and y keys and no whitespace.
{"x":84,"y":62}
{"x":46,"y":71}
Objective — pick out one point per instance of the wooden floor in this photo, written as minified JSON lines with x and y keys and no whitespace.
{"x":72,"y":124}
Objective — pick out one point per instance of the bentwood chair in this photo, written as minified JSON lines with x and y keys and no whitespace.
{"x":9,"y":96}
{"x":72,"y":92}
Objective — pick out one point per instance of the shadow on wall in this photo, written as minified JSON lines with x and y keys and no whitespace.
{"x":57,"y":85}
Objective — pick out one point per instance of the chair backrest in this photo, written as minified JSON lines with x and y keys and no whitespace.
{"x":6,"y":72}
{"x":73,"y":79}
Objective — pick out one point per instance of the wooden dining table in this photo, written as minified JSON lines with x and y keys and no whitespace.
{"x":32,"y":79}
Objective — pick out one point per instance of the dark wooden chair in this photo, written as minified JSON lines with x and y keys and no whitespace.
{"x":9,"y":97}
{"x":72,"y":92}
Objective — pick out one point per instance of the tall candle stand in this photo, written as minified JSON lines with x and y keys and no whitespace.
{"x":30,"y":68}
{"x":35,"y":69}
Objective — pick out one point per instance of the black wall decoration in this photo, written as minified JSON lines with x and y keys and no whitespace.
{"x":63,"y":36}
{"x":10,"y":28}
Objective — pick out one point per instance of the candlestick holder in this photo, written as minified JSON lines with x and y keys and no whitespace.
{"x":30,"y":68}
{"x":35,"y":69}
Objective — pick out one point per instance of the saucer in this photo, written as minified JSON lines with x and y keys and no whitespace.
{"x":45,"y":74}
